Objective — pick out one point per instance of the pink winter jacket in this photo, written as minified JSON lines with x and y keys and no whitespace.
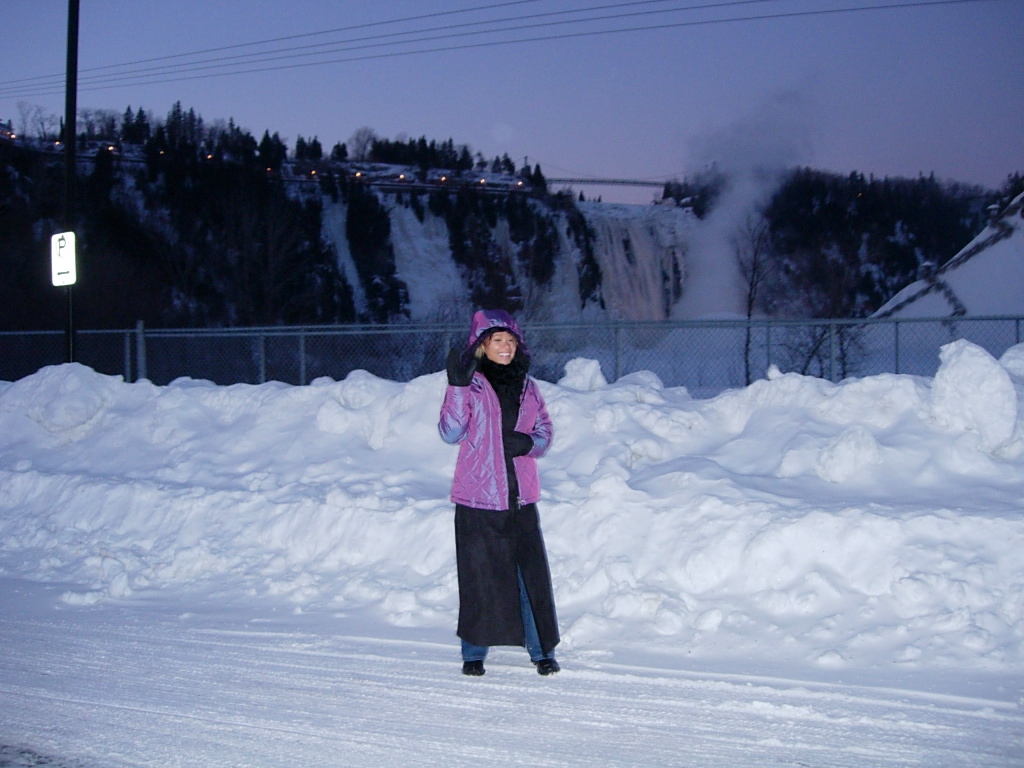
{"x":471,"y":417}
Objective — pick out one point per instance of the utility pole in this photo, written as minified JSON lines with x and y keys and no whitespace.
{"x":70,"y":171}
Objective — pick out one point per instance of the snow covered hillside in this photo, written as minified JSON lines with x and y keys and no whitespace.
{"x":985,"y":278}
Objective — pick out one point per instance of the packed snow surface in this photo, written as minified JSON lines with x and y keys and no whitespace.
{"x":796,"y":572}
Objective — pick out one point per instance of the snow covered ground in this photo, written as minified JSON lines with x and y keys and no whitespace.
{"x":794,"y":573}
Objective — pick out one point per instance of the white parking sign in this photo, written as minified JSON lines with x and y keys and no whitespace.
{"x":62,"y":252}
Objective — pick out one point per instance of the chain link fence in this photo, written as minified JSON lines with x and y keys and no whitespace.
{"x":705,"y":357}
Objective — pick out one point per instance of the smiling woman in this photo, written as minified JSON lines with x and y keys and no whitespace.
{"x":497,"y":416}
{"x":499,"y":347}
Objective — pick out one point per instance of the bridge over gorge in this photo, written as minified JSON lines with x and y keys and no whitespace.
{"x":607,"y":182}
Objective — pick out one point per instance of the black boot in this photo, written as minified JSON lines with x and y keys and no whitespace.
{"x":473,"y":668}
{"x":547,"y":666}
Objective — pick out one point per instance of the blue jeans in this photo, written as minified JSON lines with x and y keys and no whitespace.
{"x":472,"y":652}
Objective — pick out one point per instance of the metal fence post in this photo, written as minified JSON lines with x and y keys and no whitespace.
{"x":896,"y":345}
{"x":302,"y":358}
{"x":127,"y":356}
{"x":140,"y":351}
{"x":832,"y":349}
{"x":618,"y":352}
{"x":261,"y":355}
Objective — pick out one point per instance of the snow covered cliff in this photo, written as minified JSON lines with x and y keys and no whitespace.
{"x":640,"y":253}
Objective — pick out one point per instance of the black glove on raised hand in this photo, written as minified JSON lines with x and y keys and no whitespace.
{"x":517,"y":443}
{"x":459,"y":373}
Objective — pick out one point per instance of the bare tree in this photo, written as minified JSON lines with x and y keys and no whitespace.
{"x":751,"y":244}
{"x":47,"y":126}
{"x":25,"y":112}
{"x":33,"y":118}
{"x":821,"y":283}
{"x":107,"y":122}
{"x":99,"y":124}
{"x":88,"y":121}
{"x":361,"y":142}
{"x":265,"y":257}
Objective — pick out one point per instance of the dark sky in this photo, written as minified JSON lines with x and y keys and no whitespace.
{"x":657,"y":92}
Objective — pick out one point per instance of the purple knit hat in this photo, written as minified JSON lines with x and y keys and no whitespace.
{"x":487,"y":321}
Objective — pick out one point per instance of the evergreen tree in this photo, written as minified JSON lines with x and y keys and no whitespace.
{"x":425,"y":154}
{"x":272,"y":151}
{"x":127,"y":126}
{"x":368,"y":229}
{"x":540,"y":184}
{"x":140,"y":127}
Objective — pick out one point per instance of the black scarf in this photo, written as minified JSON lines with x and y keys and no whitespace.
{"x":508,"y":381}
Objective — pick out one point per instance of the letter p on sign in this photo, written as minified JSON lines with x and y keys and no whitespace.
{"x":62,"y":252}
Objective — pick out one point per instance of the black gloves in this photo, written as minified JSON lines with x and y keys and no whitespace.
{"x":459,"y":374}
{"x":517,"y":443}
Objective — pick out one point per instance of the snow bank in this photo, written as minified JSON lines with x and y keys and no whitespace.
{"x":875,"y":521}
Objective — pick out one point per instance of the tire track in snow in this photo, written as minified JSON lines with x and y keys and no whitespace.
{"x":112,"y":687}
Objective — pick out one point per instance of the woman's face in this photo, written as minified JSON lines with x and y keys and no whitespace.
{"x":500,"y":347}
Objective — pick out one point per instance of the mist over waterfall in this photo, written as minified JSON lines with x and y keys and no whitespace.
{"x":553,"y":258}
{"x":714,"y":283}
{"x":748,"y":160}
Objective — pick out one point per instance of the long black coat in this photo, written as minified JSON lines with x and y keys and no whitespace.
{"x":489,"y":546}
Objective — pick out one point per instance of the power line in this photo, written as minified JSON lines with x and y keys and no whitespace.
{"x":347,"y":45}
{"x":382,"y":40}
{"x":353,"y":44}
{"x":118,"y":80}
{"x":183,"y":73}
{"x":276,"y":40}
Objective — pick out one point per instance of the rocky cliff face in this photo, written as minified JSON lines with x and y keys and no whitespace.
{"x":642,"y":251}
{"x":623,"y":262}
